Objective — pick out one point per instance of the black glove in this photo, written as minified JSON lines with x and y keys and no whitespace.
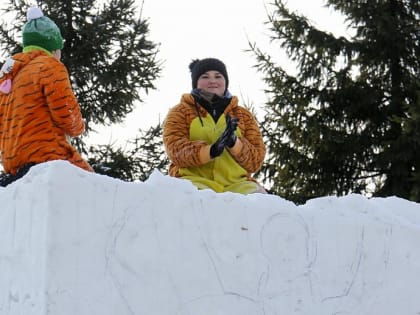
{"x":228,"y":137}
{"x":217,"y":148}
{"x":229,"y":133}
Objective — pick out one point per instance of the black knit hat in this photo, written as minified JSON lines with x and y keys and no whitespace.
{"x":198,"y":67}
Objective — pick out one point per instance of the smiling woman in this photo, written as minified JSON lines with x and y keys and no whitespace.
{"x":210,"y":139}
{"x":209,"y":75}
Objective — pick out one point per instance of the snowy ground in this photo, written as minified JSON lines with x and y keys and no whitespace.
{"x":79,"y":243}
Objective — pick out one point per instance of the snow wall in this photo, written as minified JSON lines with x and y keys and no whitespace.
{"x":72,"y":242}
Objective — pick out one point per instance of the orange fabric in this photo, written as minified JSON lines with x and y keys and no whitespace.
{"x":38,"y":113}
{"x":185,"y":153}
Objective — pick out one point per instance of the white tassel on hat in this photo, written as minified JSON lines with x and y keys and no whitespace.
{"x":34,"y":13}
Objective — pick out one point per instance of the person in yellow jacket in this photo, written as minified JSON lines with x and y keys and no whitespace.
{"x":210,"y":139}
{"x":38,"y":110}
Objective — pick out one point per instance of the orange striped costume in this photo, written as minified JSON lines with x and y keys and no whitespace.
{"x":188,"y":129}
{"x":38,"y":113}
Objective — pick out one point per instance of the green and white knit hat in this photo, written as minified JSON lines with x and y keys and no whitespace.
{"x":41,"y":31}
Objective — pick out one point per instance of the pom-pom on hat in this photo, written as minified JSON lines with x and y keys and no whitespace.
{"x":198,"y":67}
{"x":41,"y":31}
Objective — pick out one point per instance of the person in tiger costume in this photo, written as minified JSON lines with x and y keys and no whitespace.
{"x":38,"y":109}
{"x":210,"y":139}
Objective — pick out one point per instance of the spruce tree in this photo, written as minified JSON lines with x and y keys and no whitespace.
{"x":348,"y":120}
{"x":137,"y":161}
{"x":111,"y":62}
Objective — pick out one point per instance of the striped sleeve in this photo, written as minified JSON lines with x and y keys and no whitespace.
{"x":180,"y":149}
{"x":252,"y":155}
{"x":65,"y":109}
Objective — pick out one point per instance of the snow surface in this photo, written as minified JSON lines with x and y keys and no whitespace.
{"x":73,"y":242}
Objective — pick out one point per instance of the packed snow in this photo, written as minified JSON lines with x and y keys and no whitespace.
{"x":74,"y":242}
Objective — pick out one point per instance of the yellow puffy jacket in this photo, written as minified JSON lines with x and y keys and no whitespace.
{"x":38,"y":112}
{"x":188,"y":129}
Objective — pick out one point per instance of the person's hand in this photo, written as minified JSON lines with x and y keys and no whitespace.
{"x":227,"y":139}
{"x":229,"y":133}
{"x":217,"y":148}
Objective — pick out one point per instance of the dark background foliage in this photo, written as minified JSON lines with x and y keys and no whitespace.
{"x":348,"y":120}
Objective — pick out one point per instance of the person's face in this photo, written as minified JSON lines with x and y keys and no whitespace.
{"x":213,"y":82}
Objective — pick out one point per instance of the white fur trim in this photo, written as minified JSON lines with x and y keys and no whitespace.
{"x":7,"y":66}
{"x":34,"y":13}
